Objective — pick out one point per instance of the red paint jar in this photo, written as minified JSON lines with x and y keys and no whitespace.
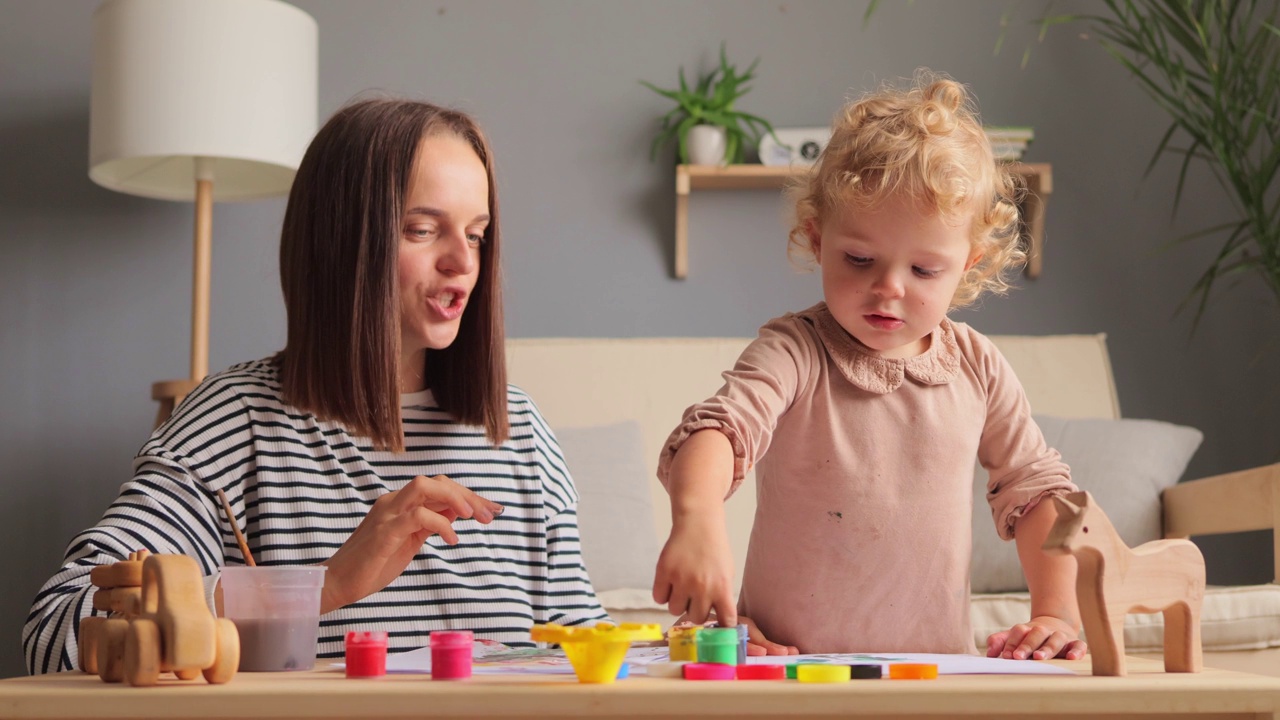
{"x":366,"y":654}
{"x":451,"y":654}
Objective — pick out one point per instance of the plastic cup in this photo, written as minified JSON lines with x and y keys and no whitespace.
{"x":277,"y":612}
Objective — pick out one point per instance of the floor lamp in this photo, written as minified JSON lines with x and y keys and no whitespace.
{"x":200,"y":100}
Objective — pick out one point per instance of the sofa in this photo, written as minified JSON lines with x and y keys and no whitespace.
{"x":612,"y":403}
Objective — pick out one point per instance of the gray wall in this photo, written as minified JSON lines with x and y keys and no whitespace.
{"x":95,"y":285}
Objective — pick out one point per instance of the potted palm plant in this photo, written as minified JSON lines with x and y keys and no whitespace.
{"x":1214,"y":67}
{"x":706,"y":126}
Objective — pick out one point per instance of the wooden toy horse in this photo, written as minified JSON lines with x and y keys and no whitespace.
{"x":1164,"y":576}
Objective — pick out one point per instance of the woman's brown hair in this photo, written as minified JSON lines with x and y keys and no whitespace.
{"x":338,"y":254}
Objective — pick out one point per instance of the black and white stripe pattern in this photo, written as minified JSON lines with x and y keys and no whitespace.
{"x":300,"y":486}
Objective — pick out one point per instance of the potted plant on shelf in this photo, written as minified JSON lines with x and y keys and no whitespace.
{"x":708,"y":130}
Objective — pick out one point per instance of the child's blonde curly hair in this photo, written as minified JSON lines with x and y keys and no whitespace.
{"x":927,"y":142}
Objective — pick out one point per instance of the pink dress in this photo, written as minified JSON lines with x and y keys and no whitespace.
{"x":864,"y":472}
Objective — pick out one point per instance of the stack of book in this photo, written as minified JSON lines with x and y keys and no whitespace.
{"x":1009,"y":143}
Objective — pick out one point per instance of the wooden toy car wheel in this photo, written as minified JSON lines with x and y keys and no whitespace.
{"x":111,"y":639}
{"x":142,"y":653}
{"x":87,"y":641}
{"x":187,"y":673}
{"x":227,"y":656}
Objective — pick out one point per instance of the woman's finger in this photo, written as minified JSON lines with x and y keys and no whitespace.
{"x":441,"y":493}
{"x":435,"y":523}
{"x":485,"y":510}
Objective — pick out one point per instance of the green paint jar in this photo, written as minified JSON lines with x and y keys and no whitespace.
{"x":718,"y":645}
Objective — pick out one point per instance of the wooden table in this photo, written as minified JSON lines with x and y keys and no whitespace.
{"x":1146,"y":693}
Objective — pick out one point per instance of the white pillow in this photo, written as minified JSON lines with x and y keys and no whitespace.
{"x":615,"y":509}
{"x":1126,"y":464}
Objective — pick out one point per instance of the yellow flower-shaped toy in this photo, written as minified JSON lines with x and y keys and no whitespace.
{"x":596,"y":653}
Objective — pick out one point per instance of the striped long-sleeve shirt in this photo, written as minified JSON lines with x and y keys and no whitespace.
{"x":300,"y":486}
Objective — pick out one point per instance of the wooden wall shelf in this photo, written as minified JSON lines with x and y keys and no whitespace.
{"x":1037,"y":177}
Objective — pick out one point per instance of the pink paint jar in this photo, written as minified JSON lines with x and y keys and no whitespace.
{"x":451,"y":654}
{"x":366,"y":654}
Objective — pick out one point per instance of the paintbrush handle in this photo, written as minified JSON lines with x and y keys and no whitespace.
{"x":235,"y":528}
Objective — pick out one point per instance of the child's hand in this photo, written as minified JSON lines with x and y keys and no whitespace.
{"x":757,"y":643}
{"x":695,"y":572}
{"x":1043,"y":638}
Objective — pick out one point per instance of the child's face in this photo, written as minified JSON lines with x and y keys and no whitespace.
{"x":446,"y":213}
{"x":889,"y":274}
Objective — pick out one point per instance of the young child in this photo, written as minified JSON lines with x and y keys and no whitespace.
{"x":862,"y":414}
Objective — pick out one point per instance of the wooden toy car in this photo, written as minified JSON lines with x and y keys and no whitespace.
{"x":165,"y":626}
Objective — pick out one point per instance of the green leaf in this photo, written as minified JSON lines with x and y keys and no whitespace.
{"x":710,"y":100}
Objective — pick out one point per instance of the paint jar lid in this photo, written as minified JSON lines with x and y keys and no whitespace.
{"x":451,"y":639}
{"x":718,"y":636}
{"x":762,"y":672}
{"x":710,"y":671}
{"x":822,"y":673}
{"x":673,"y":669}
{"x":913,"y":671}
{"x":866,"y":672}
{"x":366,"y":638}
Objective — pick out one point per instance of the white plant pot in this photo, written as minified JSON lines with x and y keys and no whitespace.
{"x":705,"y":145}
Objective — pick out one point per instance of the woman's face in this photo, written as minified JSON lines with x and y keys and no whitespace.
{"x":446,"y":213}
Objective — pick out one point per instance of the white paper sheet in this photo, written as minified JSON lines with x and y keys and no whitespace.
{"x":947,"y":664}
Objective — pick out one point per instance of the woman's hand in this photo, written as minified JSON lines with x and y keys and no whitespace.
{"x":1043,"y":638}
{"x":392,"y":534}
{"x":695,"y":571}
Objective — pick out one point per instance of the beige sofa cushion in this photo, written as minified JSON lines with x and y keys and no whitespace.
{"x":1232,"y":618}
{"x":1125,"y":464}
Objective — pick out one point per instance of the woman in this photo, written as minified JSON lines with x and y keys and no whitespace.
{"x":383,"y":441}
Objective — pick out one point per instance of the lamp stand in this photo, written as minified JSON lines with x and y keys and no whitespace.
{"x":171,"y":392}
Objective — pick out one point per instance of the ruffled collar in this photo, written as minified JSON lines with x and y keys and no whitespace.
{"x":868,"y":370}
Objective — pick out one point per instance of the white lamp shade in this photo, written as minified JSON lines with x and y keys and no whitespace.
{"x":229,"y":83}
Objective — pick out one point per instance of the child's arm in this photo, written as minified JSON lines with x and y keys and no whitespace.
{"x":1054,"y":628}
{"x":709,"y":454}
{"x":695,"y":570}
